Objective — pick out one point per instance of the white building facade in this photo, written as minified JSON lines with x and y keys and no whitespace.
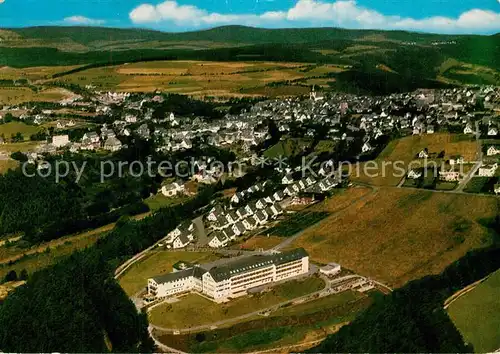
{"x":233,"y":278}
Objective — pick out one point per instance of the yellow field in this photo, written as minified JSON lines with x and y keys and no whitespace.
{"x":15,"y":95}
{"x":396,"y":235}
{"x":158,"y":263}
{"x":200,"y":78}
{"x":384,"y":172}
{"x":34,"y":73}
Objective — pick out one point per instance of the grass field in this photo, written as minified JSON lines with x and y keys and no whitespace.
{"x":199,"y":78}
{"x":296,"y":223}
{"x":159,"y":201}
{"x":477,"y":315}
{"x":194,"y":310}
{"x":397,"y":235}
{"x":259,"y":241}
{"x":384,"y":172}
{"x":157,"y":263}
{"x":12,"y":128}
{"x":15,"y":95}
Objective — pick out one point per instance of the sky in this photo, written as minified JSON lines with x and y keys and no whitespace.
{"x":437,"y":16}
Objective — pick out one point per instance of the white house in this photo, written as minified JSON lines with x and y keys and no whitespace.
{"x":366,"y":147}
{"x":497,"y":189}
{"x":331,"y":269}
{"x":423,"y":154}
{"x":218,"y":240}
{"x":493,"y":131}
{"x":468,"y":129}
{"x":288,"y":179}
{"x":492,"y":150}
{"x":172,"y":189}
{"x":60,"y":140}
{"x":414,"y":174}
{"x":449,"y":176}
{"x":487,"y":170}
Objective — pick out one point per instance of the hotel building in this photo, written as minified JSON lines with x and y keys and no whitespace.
{"x":231,"y":278}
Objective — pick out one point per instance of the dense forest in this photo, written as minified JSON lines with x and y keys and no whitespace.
{"x":77,"y":306}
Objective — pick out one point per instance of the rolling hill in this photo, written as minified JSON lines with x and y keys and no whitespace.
{"x":384,"y":58}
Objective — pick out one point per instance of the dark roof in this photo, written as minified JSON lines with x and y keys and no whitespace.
{"x":251,"y":263}
{"x":165,"y":278}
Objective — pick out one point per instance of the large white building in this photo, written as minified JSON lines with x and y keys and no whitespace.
{"x":226,"y":279}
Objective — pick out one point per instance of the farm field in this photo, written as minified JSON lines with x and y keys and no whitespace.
{"x":194,"y":310}
{"x":158,"y":263}
{"x":15,"y":95}
{"x":11,"y":128}
{"x":384,"y":171}
{"x":33,"y":73}
{"x":296,"y":223}
{"x":396,"y":235}
{"x":477,"y":315}
{"x":201,"y":78}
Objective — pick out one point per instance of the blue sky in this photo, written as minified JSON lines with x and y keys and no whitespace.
{"x":441,"y":16}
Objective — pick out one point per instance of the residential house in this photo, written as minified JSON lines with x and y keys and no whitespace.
{"x":366,"y":147}
{"x":218,"y":240}
{"x":492,"y":151}
{"x":112,"y":144}
{"x":249,"y":223}
{"x":469,"y":129}
{"x":215,"y":212}
{"x":487,"y":170}
{"x":492,"y":131}
{"x":414,"y":174}
{"x":288,"y":179}
{"x":260,"y":217}
{"x":172,"y":189}
{"x":497,"y":189}
{"x":423,"y":154}
{"x":60,"y":140}
{"x":449,"y":176}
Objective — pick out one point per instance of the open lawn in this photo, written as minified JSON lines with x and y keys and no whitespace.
{"x":12,"y":128}
{"x":260,"y":242}
{"x":194,"y":310}
{"x":394,"y":161}
{"x":397,"y":235}
{"x":477,"y":315}
{"x":157,"y":263}
{"x":296,"y":223}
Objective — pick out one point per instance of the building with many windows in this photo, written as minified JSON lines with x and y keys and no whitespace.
{"x":226,"y":279}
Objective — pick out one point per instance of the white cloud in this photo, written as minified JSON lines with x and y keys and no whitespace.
{"x":341,"y":13}
{"x":82,"y":20}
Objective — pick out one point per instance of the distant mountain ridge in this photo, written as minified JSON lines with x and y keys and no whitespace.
{"x":233,"y":34}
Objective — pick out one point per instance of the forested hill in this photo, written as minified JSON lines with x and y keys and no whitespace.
{"x":226,"y":34}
